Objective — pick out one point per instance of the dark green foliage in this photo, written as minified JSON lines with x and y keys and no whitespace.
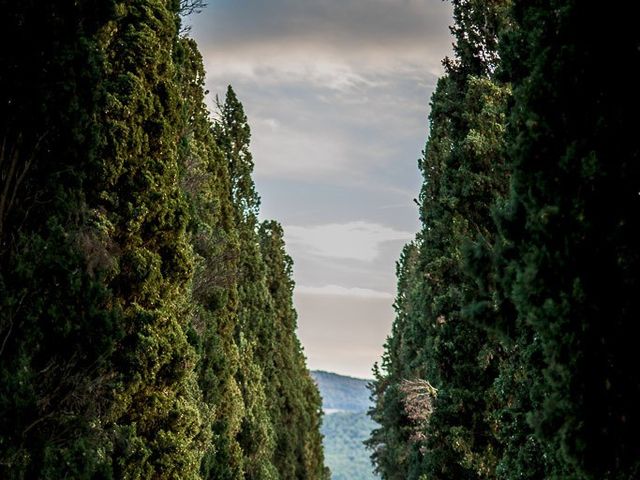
{"x":131,"y":269}
{"x":214,"y":297}
{"x":446,"y":431}
{"x":568,"y":261}
{"x":253,"y":327}
{"x":233,"y":136}
{"x":392,"y":446}
{"x":521,"y":323}
{"x":156,"y":412}
{"x":95,"y":251}
{"x":57,"y":331}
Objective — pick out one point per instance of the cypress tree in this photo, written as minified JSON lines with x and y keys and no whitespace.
{"x":395,"y":443}
{"x":434,"y":397}
{"x":57,"y":327}
{"x":157,"y":411}
{"x":256,"y":436}
{"x":568,"y":262}
{"x":104,"y":380}
{"x":142,"y":332}
{"x":106,"y":373}
{"x":294,"y":402}
{"x":214,"y":236}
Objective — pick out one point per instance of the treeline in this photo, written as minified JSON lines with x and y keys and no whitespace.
{"x":147,"y":327}
{"x":512,"y":355}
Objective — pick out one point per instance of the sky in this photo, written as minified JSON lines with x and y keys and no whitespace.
{"x":337,"y":96}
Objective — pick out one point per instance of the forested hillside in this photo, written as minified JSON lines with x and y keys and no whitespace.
{"x":512,"y":354}
{"x":346,"y":425}
{"x":340,"y":392}
{"x":344,"y":450}
{"x":146,"y":321}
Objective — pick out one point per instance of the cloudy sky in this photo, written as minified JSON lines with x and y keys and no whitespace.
{"x":337,"y":94}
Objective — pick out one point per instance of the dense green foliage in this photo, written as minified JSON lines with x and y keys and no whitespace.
{"x":256,"y":434}
{"x":511,"y":355}
{"x":58,"y":334}
{"x":206,"y":183}
{"x":447,"y":434}
{"x":568,"y":258}
{"x":146,"y":326}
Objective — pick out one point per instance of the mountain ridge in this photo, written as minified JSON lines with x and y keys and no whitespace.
{"x":341,"y":392}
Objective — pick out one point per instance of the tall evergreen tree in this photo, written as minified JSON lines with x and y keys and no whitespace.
{"x":142,"y":333}
{"x":521,"y":328}
{"x":57,"y":327}
{"x":395,"y":444}
{"x":294,"y":402}
{"x":156,"y":412}
{"x":442,"y":357}
{"x":568,"y":262}
{"x":256,"y":436}
{"x":103,"y":361}
{"x":206,"y":182}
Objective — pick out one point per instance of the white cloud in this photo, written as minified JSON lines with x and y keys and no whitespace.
{"x":288,"y":152}
{"x":359,"y":240}
{"x":319,"y":71}
{"x":339,"y":291}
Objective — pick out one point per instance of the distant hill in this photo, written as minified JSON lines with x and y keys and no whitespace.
{"x":342,"y":393}
{"x":344,"y":452}
{"x":346,"y":425}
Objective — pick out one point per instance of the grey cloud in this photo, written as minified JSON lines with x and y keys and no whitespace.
{"x":325,"y":23}
{"x":311,"y":270}
{"x":345,"y":134}
{"x":329,"y":116}
{"x":360,"y":241}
